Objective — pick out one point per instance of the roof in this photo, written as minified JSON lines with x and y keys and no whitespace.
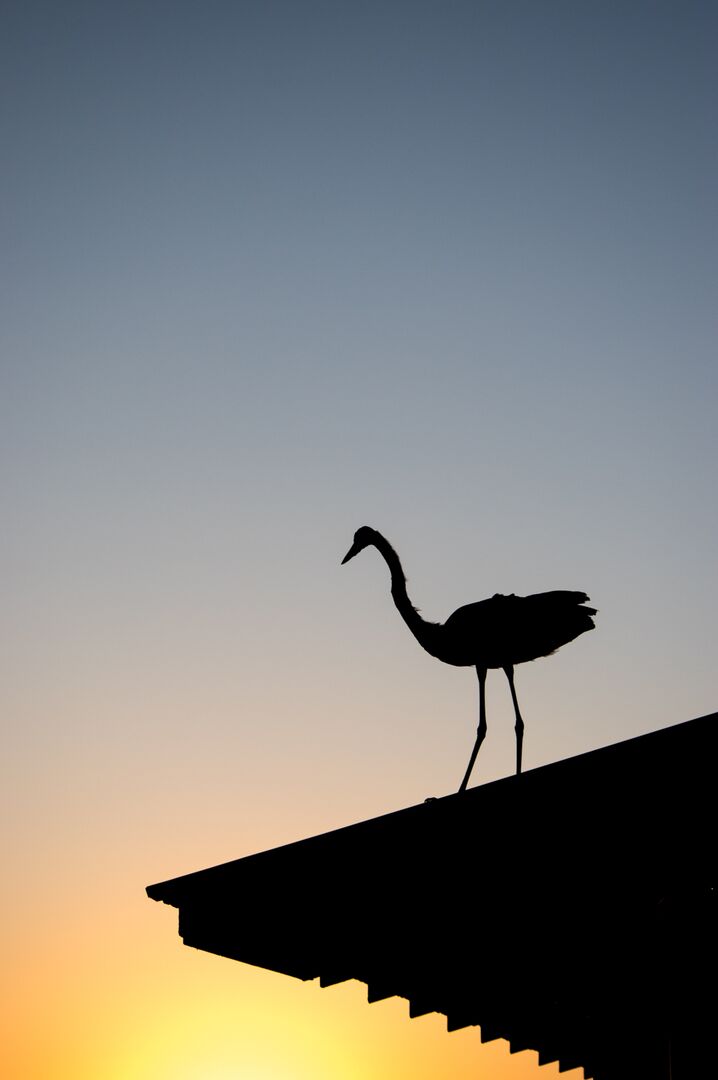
{"x":570,"y":910}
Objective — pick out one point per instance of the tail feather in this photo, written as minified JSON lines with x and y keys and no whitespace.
{"x":566,"y":595}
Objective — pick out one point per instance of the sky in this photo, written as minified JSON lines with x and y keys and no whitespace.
{"x":272,"y":271}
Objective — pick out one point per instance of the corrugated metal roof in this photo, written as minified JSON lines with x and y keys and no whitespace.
{"x":569,"y":910}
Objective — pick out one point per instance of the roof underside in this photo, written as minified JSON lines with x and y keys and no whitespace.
{"x":570,"y":910}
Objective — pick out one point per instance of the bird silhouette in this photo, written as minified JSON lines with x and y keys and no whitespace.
{"x":495,"y":633}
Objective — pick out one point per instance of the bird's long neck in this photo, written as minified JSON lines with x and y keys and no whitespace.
{"x":423,"y":631}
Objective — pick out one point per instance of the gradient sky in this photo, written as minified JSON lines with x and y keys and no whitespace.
{"x":271,"y":271}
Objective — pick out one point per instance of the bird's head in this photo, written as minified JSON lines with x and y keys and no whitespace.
{"x":362,"y":538}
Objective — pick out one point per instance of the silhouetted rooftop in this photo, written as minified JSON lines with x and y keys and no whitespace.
{"x":569,"y":910}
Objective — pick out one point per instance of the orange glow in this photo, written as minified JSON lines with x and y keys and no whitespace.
{"x":100,"y":985}
{"x":139,"y":1006}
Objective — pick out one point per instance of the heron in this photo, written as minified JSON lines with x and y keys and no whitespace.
{"x":498,"y":632}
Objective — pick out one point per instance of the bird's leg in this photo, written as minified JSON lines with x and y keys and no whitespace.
{"x":519,"y":729}
{"x":481,"y":730}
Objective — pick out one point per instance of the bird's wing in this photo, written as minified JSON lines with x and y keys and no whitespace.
{"x":559,"y":600}
{"x":512,"y":629}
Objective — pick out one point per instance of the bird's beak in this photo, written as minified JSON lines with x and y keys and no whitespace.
{"x":353,"y":550}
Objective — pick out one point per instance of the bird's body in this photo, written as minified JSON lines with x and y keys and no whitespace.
{"x":495,"y":633}
{"x":514,"y":629}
